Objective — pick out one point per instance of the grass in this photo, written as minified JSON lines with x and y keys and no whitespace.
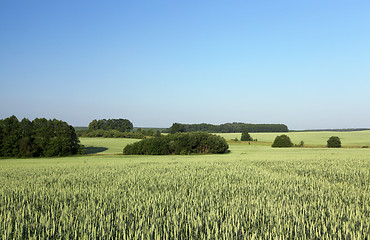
{"x":255,"y":192}
{"x":318,"y":139}
{"x":106,"y":145}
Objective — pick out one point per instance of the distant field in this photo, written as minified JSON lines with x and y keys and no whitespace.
{"x":106,"y":145}
{"x":356,"y":138}
{"x":254,"y":192}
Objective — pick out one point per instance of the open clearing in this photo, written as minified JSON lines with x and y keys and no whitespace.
{"x":253,"y":192}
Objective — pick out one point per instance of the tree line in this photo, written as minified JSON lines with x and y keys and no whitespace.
{"x":138,"y":133}
{"x":121,"y":125}
{"x":179,"y":144}
{"x":37,"y":138}
{"x":227,"y":128}
{"x":115,"y":128}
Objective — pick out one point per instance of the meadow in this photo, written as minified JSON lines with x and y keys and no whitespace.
{"x":254,"y":192}
{"x":311,"y":139}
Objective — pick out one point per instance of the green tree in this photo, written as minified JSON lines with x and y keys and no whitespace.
{"x":246,"y":136}
{"x":27,"y":146}
{"x":11,"y":133}
{"x":177,"y":127}
{"x":121,"y":125}
{"x":334,"y":142}
{"x":40,"y":137}
{"x":178,"y":143}
{"x":157,"y":134}
{"x":282,"y":141}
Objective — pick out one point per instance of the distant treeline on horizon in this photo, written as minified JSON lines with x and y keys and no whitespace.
{"x":227,"y":128}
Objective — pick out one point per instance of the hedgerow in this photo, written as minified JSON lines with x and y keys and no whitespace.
{"x":179,"y":144}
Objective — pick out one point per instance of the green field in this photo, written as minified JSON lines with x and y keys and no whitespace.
{"x":254,"y":192}
{"x":315,"y":139}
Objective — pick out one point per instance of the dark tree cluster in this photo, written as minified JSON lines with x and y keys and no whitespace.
{"x":115,"y":128}
{"x":121,"y":125}
{"x":138,"y":134}
{"x":179,"y":144}
{"x":227,"y":128}
{"x":37,"y":138}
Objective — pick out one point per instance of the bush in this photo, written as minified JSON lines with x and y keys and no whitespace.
{"x":282,"y":141}
{"x":178,"y":144}
{"x":301,"y":144}
{"x":334,"y":142}
{"x":246,"y":136}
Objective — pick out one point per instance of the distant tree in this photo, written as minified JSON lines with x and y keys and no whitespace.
{"x":246,"y":136}
{"x":334,"y":142}
{"x":157,"y":134}
{"x":121,"y":125}
{"x":282,"y":141}
{"x":179,"y":144}
{"x":177,"y":127}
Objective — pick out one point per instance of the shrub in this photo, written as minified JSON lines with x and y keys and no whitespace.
{"x":178,"y":144}
{"x":301,"y":144}
{"x":334,"y":142}
{"x":246,"y":136}
{"x":282,"y":141}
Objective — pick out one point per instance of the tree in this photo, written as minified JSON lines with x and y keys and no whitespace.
{"x":334,"y":142}
{"x":11,"y":134}
{"x":121,"y":125}
{"x":246,"y":136}
{"x":177,"y":127}
{"x":39,"y":138}
{"x":282,"y":141}
{"x":179,"y":144}
{"x":27,"y":146}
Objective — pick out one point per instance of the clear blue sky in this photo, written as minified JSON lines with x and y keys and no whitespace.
{"x":302,"y":63}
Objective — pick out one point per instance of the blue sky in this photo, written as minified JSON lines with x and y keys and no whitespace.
{"x":302,"y":63}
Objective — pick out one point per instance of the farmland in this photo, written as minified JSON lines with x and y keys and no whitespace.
{"x":254,"y":192}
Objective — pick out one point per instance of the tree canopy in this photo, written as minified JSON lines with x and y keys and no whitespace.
{"x":282,"y":141}
{"x":37,"y":138}
{"x":245,"y":136}
{"x":121,"y":125}
{"x":334,"y":142}
{"x":227,"y":128}
{"x":179,"y":143}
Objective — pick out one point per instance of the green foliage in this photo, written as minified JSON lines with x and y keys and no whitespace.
{"x":246,"y":136}
{"x":121,"y":125}
{"x":39,"y":138}
{"x":334,"y":142}
{"x":227,"y":128}
{"x":178,"y":127}
{"x":138,"y":134}
{"x":282,"y":141}
{"x":179,"y":144}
